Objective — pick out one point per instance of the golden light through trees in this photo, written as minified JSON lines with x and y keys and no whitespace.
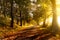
{"x":50,"y":19}
{"x":58,"y":20}
{"x":58,"y":12}
{"x":58,"y":7}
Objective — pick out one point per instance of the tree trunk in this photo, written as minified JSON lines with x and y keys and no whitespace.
{"x":54,"y":21}
{"x":12,"y":20}
{"x":20,"y":19}
{"x":44,"y":25}
{"x":17,"y":21}
{"x":4,"y":11}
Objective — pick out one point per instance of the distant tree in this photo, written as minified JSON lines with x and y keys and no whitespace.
{"x":46,"y":5}
{"x":23,"y":5}
{"x":41,"y":11}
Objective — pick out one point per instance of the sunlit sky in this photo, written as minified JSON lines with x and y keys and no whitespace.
{"x":58,"y":10}
{"x":58,"y":13}
{"x":58,"y":7}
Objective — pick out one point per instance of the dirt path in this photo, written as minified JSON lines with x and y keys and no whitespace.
{"x":30,"y":34}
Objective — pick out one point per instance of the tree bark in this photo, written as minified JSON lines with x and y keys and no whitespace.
{"x":12,"y":19}
{"x":20,"y":18}
{"x":4,"y":11}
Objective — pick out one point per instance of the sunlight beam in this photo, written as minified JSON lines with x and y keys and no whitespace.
{"x":58,"y":20}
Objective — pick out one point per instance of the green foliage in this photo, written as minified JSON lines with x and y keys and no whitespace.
{"x":23,"y":7}
{"x":4,"y":21}
{"x":42,"y":10}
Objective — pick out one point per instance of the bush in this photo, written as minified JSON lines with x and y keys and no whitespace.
{"x":4,"y":21}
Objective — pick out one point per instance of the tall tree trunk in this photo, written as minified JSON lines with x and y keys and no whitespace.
{"x":17,"y":21}
{"x":4,"y":3}
{"x":20,"y":18}
{"x":54,"y":21}
{"x":12,"y":20}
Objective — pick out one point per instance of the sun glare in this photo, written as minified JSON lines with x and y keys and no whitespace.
{"x":50,"y":19}
{"x":58,"y":19}
{"x":58,"y":11}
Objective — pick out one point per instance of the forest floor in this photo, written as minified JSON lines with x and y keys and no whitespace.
{"x":26,"y":33}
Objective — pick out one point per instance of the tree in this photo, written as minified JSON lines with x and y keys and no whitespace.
{"x":12,"y":19}
{"x":23,"y":5}
{"x":54,"y":22}
{"x":46,"y":5}
{"x":41,"y":11}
